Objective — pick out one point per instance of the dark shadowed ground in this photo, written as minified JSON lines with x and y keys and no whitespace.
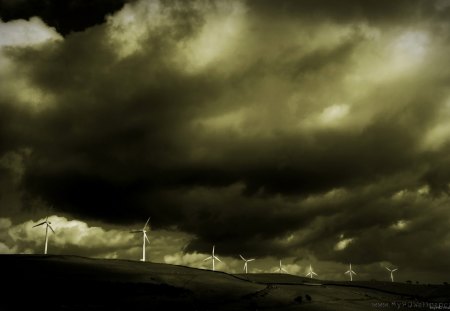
{"x":77,"y":283}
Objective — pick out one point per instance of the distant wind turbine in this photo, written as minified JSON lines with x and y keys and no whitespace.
{"x":311,"y":272}
{"x":281,"y":269}
{"x":392,"y":272}
{"x":47,"y":223}
{"x":144,"y":237}
{"x":213,"y":257}
{"x":351,"y":272}
{"x":246,"y":261}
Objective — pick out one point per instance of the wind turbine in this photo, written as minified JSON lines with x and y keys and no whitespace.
{"x":392,"y":272}
{"x":351,"y":272}
{"x":144,"y":237}
{"x":246,"y":261}
{"x":47,"y":223}
{"x":311,"y":272}
{"x":281,"y":269}
{"x":213,"y":257}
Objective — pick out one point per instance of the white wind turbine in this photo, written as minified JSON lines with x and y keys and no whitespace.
{"x":213,"y":257}
{"x":47,"y":223}
{"x":281,"y":269}
{"x":311,"y":272}
{"x":144,"y":237}
{"x":392,"y":272}
{"x":246,"y":261}
{"x":350,"y":272}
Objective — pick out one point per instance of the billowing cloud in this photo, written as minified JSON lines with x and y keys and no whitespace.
{"x":16,"y":86}
{"x":342,"y":244}
{"x":186,"y":259}
{"x":69,"y":234}
{"x":300,"y":130}
{"x":77,"y":237}
{"x":23,"y":33}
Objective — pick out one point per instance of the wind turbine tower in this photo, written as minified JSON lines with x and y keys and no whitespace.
{"x":350,"y":272}
{"x":47,"y":225}
{"x":246,"y":261}
{"x":144,"y":237}
{"x":213,"y":257}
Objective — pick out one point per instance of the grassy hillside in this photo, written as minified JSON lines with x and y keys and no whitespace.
{"x":77,"y":283}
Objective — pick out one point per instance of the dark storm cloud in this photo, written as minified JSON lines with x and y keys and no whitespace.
{"x":283,"y":138}
{"x":438,"y":173}
{"x":343,"y":11}
{"x":66,"y":16}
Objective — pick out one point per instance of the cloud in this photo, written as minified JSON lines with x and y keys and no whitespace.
{"x":266,"y":129}
{"x":129,"y":28}
{"x":5,"y":223}
{"x":384,"y":11}
{"x":342,"y":244}
{"x":23,"y":33}
{"x":16,"y":35}
{"x":5,"y":249}
{"x":70,"y":234}
{"x":186,"y":259}
{"x":400,"y":225}
{"x":14,"y":162}
{"x":77,"y":237}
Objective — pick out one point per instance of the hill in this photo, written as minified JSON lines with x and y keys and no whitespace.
{"x":78,"y":283}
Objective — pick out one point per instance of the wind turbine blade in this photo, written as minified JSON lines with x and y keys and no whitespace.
{"x":283,"y":270}
{"x":250,"y":260}
{"x":210,"y":257}
{"x":217,"y":258}
{"x":39,"y":224}
{"x":146,"y":223}
{"x":314,"y":273}
{"x":388,"y":269}
{"x":394,"y":270}
{"x":51,"y":228}
{"x":147,"y":238}
{"x":242,"y":257}
{"x":347,"y":272}
{"x":354,"y":272}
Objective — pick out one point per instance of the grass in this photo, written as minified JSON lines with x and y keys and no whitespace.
{"x":78,"y":283}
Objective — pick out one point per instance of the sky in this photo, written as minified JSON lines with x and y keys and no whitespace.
{"x":312,"y":132}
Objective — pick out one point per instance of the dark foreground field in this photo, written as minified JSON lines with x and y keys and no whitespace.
{"x":77,"y":283}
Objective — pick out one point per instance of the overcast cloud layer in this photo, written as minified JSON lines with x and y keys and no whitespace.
{"x":310,"y":130}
